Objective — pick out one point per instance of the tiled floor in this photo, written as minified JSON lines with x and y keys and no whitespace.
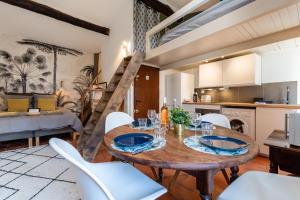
{"x":40,"y":174}
{"x":37,"y":173}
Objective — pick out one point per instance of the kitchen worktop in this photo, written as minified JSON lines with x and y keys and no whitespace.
{"x":249,"y":105}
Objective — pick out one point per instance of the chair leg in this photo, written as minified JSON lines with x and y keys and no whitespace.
{"x":174,"y":178}
{"x":225,"y":176}
{"x":37,"y":141}
{"x":30,"y":142}
{"x":154,"y":173}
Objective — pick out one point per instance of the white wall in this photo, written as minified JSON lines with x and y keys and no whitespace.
{"x":119,"y":42}
{"x":162,"y":84}
{"x":281,"y":66}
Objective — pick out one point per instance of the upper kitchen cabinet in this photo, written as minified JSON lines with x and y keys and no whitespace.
{"x":210,"y":75}
{"x":242,"y":71}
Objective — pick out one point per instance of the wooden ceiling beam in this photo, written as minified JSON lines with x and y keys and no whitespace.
{"x":159,"y":7}
{"x":58,"y":15}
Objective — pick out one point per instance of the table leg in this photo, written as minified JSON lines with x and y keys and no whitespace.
{"x":273,"y":167}
{"x":234,"y":173}
{"x":205,"y":183}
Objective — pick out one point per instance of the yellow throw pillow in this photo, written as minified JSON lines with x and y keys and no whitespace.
{"x":46,"y":104}
{"x":17,"y":105}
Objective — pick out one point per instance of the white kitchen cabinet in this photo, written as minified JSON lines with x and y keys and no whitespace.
{"x":210,"y":75}
{"x":179,"y":86}
{"x":242,"y":71}
{"x":268,"y":120}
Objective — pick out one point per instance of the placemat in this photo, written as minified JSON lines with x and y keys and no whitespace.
{"x":193,"y":143}
{"x":146,"y":148}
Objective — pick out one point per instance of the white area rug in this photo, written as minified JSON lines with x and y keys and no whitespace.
{"x":38,"y":173}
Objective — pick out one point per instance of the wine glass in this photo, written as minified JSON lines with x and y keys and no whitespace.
{"x":151,"y":115}
{"x":196,"y":120}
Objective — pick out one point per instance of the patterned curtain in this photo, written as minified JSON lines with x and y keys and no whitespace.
{"x":144,"y":18}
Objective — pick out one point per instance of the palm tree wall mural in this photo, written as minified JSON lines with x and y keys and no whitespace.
{"x":53,"y":49}
{"x":28,"y":69}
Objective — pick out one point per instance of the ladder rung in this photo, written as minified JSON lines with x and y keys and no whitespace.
{"x":119,"y":73}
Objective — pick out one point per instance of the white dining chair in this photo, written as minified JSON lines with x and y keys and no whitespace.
{"x":254,"y":185}
{"x":217,"y":119}
{"x":116,"y":119}
{"x":109,"y":180}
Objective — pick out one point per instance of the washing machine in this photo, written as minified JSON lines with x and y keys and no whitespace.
{"x":241,"y":120}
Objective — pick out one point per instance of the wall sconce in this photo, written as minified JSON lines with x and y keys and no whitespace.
{"x":125,"y":49}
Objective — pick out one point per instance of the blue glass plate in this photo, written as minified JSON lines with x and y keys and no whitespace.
{"x":133,"y":140}
{"x":223,"y":143}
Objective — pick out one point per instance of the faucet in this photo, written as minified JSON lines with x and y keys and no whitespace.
{"x":287,"y":95}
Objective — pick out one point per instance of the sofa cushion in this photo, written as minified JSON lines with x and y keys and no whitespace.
{"x":18,"y":96}
{"x":46,"y":104}
{"x":36,"y":97}
{"x":17,"y":105}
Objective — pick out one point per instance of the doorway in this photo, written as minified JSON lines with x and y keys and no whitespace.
{"x":146,"y":91}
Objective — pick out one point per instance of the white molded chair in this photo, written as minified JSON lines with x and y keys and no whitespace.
{"x":116,"y":119}
{"x":217,"y":119}
{"x":254,"y":185}
{"x":110,"y":180}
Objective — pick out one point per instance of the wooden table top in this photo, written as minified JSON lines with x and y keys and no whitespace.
{"x":278,"y":139}
{"x":175,"y":155}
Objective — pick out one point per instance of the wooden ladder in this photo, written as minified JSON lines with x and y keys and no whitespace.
{"x":90,"y":140}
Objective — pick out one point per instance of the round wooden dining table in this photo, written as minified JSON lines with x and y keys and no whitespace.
{"x":176,"y":155}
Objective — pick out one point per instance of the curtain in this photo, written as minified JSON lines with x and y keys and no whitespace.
{"x":144,"y":18}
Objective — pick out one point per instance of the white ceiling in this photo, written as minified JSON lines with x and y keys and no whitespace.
{"x":278,"y":46}
{"x":271,"y":22}
{"x":177,"y":3}
{"x":20,"y":22}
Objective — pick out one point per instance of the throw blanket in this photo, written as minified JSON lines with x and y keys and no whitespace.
{"x":40,"y":122}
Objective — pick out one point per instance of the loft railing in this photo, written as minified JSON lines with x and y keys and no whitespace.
{"x":187,"y":9}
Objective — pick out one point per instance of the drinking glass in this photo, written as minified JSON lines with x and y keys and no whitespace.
{"x":196,"y":120}
{"x":156,"y":121}
{"x":207,"y":128}
{"x":142,"y":123}
{"x":160,"y":134}
{"x":151,"y":115}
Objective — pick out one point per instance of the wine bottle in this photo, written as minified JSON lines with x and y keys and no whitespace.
{"x":165,"y":113}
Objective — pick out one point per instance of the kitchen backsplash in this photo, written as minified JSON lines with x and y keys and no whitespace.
{"x":275,"y":92}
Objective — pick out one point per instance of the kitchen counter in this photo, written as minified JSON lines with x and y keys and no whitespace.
{"x":249,"y":105}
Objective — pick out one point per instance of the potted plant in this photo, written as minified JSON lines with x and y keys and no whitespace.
{"x":180,"y":119}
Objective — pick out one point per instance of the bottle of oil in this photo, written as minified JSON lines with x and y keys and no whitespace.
{"x":165,"y":114}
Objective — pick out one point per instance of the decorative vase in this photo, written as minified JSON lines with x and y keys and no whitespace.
{"x":179,"y":129}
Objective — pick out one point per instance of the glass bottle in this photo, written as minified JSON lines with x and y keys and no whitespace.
{"x":165,"y":113}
